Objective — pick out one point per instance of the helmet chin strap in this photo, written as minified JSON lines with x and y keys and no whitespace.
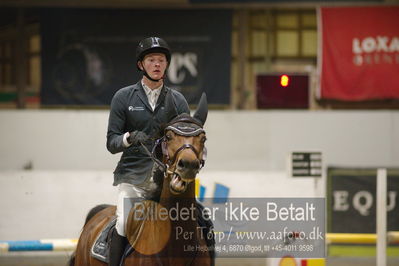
{"x":148,"y":76}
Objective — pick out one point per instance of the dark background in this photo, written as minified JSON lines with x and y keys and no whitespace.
{"x":71,"y":38}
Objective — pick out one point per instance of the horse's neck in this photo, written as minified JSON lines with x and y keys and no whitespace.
{"x":185,"y":235}
{"x":185,"y":201}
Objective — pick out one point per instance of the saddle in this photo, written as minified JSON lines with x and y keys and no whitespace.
{"x":100,"y":248}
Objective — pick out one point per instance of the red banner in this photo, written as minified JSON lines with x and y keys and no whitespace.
{"x":359,"y":57}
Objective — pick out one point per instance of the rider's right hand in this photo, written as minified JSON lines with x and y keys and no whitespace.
{"x":136,"y":137}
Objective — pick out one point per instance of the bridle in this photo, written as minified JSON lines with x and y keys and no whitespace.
{"x":181,"y":130}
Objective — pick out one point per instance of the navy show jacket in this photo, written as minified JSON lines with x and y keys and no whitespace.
{"x":130,"y":111}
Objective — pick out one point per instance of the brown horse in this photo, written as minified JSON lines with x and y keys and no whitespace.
{"x":165,"y":232}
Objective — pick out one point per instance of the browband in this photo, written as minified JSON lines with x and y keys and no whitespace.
{"x":187,"y":131}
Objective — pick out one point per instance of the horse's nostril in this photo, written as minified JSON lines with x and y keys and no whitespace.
{"x":188,"y":164}
{"x":195,"y":164}
{"x":181,"y":164}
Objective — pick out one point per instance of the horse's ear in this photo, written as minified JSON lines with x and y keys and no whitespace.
{"x":170,"y":108}
{"x":202,"y":110}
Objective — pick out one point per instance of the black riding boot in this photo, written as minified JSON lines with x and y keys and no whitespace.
{"x":118,"y":244}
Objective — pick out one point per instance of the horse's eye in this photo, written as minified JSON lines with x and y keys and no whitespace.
{"x":168,"y":137}
{"x":203,"y":139}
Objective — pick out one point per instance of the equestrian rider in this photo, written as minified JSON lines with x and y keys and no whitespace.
{"x":136,"y":115}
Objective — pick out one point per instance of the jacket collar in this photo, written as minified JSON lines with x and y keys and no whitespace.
{"x":143,"y":96}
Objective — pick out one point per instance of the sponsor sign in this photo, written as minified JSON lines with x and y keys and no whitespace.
{"x":359,"y":53}
{"x":351,"y":200}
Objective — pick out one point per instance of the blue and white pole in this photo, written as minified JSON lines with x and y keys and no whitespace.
{"x":38,"y":245}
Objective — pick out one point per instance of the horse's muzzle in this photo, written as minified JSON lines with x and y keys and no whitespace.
{"x":188,"y":169}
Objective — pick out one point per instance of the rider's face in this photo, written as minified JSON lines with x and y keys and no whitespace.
{"x":155,"y":64}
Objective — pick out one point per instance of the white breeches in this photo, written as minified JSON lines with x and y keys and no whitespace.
{"x":125,"y":193}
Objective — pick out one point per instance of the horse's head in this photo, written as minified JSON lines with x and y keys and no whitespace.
{"x":183,"y":146}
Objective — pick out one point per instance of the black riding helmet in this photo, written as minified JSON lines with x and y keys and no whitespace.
{"x":151,"y":45}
